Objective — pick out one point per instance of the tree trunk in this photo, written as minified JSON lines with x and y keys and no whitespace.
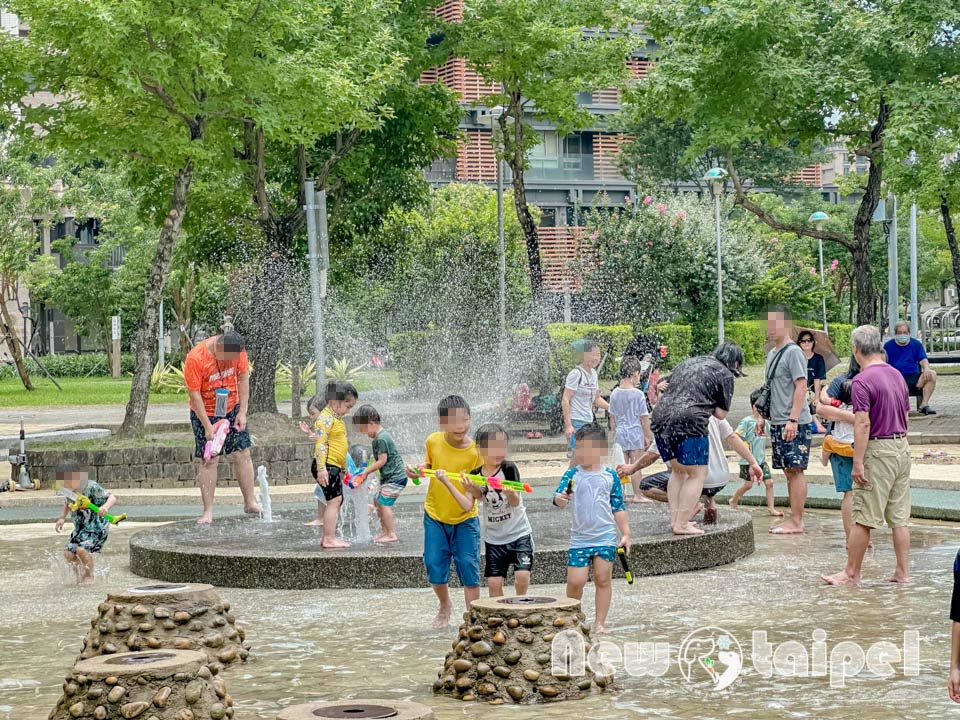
{"x":147,"y":325}
{"x":266,"y":327}
{"x":9,"y":335}
{"x":951,"y":232}
{"x":862,"y":222}
{"x":516,"y":159}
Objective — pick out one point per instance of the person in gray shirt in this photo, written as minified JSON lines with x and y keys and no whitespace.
{"x":786,"y":374}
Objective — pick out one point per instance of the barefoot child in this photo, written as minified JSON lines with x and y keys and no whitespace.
{"x":330,"y":458}
{"x":314,"y":407}
{"x":507,"y":532}
{"x":748,"y":431}
{"x":388,"y":462}
{"x":449,"y":529}
{"x":90,"y":529}
{"x":837,"y":447}
{"x":599,"y":515}
{"x":630,"y":419}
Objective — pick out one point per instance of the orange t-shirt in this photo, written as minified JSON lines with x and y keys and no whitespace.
{"x":203,"y":373}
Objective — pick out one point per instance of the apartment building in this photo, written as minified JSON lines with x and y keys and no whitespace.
{"x":567,"y":173}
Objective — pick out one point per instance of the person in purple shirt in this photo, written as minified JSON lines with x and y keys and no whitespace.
{"x":881,"y":458}
{"x":907,"y":355}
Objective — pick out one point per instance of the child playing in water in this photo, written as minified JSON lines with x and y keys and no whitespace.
{"x":837,"y":449}
{"x":507,"y":533}
{"x":314,"y":408}
{"x":749,"y":431}
{"x":388,"y":462}
{"x":90,"y":529}
{"x":450,"y":526}
{"x":330,"y":458}
{"x":630,"y":419}
{"x":599,"y":515}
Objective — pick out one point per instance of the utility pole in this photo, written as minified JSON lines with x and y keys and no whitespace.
{"x":914,"y":305}
{"x":893,"y":265}
{"x":310,"y":208}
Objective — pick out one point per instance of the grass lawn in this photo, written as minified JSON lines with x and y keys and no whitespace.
{"x":110,"y":391}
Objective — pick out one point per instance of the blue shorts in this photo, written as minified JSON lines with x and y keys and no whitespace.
{"x":581,"y":557}
{"x":842,"y":472}
{"x":577,"y":424}
{"x":441,"y":542}
{"x":686,"y":450}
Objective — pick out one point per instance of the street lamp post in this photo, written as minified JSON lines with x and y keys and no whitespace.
{"x":716,"y":177}
{"x":819,"y":218}
{"x":490,"y":119}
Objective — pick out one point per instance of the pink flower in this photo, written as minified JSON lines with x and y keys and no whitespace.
{"x":681,"y":215}
{"x":627,"y":200}
{"x":625,"y":240}
{"x":774,"y":240}
{"x":594,"y":235}
{"x":813,"y":271}
{"x":649,"y":244}
{"x":647,"y":200}
{"x":661,"y":208}
{"x":834,"y":264}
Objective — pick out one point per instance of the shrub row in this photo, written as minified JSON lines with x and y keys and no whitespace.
{"x":421,"y":356}
{"x":72,"y":365}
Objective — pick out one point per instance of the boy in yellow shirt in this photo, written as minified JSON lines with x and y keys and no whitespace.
{"x":330,"y":458}
{"x":450,"y":531}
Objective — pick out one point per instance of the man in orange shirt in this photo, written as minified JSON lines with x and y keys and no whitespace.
{"x":217,"y":376}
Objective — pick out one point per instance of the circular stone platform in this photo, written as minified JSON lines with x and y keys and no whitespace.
{"x":244,"y":552}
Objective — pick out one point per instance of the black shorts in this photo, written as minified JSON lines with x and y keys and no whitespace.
{"x":518,"y":553}
{"x":658,"y":481}
{"x":334,"y":488}
{"x":911,"y":380}
{"x":236,"y":439}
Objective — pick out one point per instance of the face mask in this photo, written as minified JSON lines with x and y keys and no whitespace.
{"x":902,"y":339}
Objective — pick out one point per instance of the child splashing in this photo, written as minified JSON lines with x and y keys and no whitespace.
{"x":330,"y":458}
{"x":90,"y":528}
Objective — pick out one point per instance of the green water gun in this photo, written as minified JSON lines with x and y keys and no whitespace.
{"x":492,"y":482}
{"x":82,"y":502}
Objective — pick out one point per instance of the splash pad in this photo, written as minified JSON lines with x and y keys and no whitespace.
{"x":244,"y":552}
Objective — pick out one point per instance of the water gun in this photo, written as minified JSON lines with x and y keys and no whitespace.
{"x":82,"y":502}
{"x":492,"y":482}
{"x":213,"y":447}
{"x":622,"y":554}
{"x":352,"y":472}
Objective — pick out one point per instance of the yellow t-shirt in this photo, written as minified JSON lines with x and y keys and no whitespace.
{"x":331,"y":445}
{"x":441,"y":455}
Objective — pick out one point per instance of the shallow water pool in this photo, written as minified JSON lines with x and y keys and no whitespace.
{"x":340,"y":644}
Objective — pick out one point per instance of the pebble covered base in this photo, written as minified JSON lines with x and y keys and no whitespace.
{"x":181,"y":617}
{"x":502,"y":653}
{"x":155,"y":685}
{"x":368,"y":709}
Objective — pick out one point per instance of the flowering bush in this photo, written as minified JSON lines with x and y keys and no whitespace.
{"x":656,"y":261}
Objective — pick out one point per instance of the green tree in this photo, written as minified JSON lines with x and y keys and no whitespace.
{"x":365,"y":162}
{"x":538,"y":53}
{"x":656,"y":262}
{"x":809,"y":72}
{"x":27,"y":191}
{"x":442,"y":261}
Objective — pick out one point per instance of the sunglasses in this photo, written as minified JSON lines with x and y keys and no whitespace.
{"x":806,"y":340}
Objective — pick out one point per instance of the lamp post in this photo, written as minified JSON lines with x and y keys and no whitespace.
{"x":491,"y":119}
{"x":818,"y":218}
{"x":716,"y":177}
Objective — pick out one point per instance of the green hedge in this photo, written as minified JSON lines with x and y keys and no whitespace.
{"x":72,"y":365}
{"x":412,"y":355}
{"x":751,"y":335}
{"x":677,"y":338}
{"x":611,"y":338}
